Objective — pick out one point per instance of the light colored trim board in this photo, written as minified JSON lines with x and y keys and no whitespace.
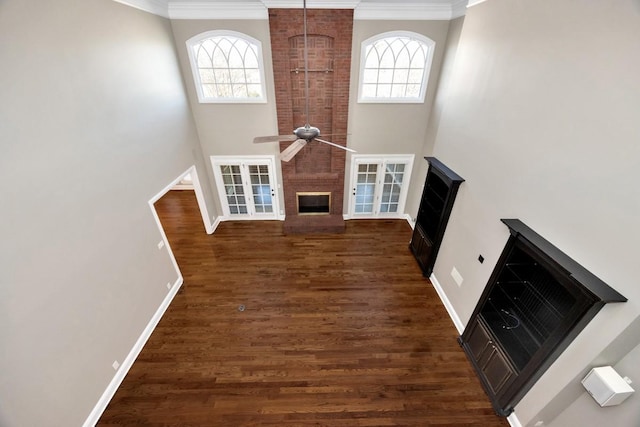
{"x":217,"y":10}
{"x":410,"y":220}
{"x":157,"y":7}
{"x":311,"y":4}
{"x":447,"y":304}
{"x":197,"y":188}
{"x":513,"y":420}
{"x":408,"y":11}
{"x":258,"y":9}
{"x":127,"y":363}
{"x":475,"y":2}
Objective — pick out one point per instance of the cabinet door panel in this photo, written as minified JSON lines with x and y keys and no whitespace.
{"x":497,"y":370}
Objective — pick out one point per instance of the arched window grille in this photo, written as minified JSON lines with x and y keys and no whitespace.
{"x":394,"y":67}
{"x":227,"y":67}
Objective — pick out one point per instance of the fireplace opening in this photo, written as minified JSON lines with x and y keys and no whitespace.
{"x":318,"y":203}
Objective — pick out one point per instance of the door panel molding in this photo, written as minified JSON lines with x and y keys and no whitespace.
{"x":246,"y":189}
{"x":382,"y":197}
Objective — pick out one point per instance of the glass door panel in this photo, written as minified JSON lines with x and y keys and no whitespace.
{"x":261,"y":188}
{"x":246,"y":186}
{"x":365,"y":188}
{"x":234,"y":189}
{"x":379,"y":185}
{"x":392,"y":187}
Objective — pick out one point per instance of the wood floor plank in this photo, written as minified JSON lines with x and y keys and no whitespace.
{"x":337,"y":330}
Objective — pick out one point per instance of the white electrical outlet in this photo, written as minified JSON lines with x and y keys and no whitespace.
{"x":161,"y":244}
{"x":539,"y":423}
{"x":456,"y":276}
{"x":168,"y":285}
{"x":115,"y":365}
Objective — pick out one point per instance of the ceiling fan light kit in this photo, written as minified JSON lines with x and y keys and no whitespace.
{"x":307,"y":133}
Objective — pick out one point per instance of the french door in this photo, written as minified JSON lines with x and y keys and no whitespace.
{"x":379,"y":185}
{"x":247,"y":186}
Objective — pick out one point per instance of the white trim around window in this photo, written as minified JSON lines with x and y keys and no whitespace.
{"x":227,"y":67}
{"x":395,"y":67}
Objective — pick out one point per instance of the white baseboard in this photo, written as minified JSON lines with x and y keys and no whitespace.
{"x":410,"y":220}
{"x":447,"y":304}
{"x":212,"y":227}
{"x":513,"y":420}
{"x":127,"y":363}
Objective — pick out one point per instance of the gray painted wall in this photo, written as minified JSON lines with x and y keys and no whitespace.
{"x":586,"y":412}
{"x":540,"y":117}
{"x":229,"y":129}
{"x":94,"y":121}
{"x":379,"y":128}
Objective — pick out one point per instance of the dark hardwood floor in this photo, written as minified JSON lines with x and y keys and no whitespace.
{"x":337,"y":330}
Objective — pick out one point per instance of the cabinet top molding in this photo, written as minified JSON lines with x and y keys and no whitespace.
{"x":576,"y":271}
{"x":451,"y":175}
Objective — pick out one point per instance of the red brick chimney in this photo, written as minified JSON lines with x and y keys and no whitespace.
{"x":317,"y":167}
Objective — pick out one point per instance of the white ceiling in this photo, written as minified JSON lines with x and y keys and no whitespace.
{"x":257,"y":9}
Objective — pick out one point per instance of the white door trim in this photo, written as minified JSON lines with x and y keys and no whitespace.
{"x":269,"y":160}
{"x":381,"y":160}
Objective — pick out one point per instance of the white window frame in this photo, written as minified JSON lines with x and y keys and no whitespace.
{"x":381,"y":160}
{"x":243,"y":162}
{"x":194,"y":42}
{"x":429,"y":46}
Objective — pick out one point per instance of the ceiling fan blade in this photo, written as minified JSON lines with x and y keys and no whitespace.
{"x":289,"y":152}
{"x":336,"y":145}
{"x":274,"y":138}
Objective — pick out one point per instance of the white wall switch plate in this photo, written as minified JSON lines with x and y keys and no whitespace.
{"x":115,"y":365}
{"x":161,"y":244}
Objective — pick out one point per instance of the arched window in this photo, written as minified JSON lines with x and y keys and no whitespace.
{"x":394,"y":67}
{"x":227,"y":67}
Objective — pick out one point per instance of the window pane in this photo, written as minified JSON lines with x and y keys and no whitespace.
{"x":206,"y":75}
{"x":385,"y":76}
{"x":413,"y":90}
{"x":370,"y":76}
{"x":384,"y":91}
{"x":398,"y":91}
{"x":390,"y":64}
{"x":209,"y":91}
{"x":252,"y":75}
{"x":369,"y":91}
{"x":400,"y":75}
{"x":228,"y":67}
{"x":415,"y":76}
{"x":235,"y":59}
{"x":222,"y":76}
{"x":202,"y":58}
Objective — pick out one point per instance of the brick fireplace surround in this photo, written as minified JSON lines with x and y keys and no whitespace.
{"x":317,"y":167}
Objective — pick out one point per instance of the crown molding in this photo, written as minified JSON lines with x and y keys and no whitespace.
{"x":311,"y":4}
{"x":157,"y":7}
{"x":258,"y":9}
{"x":475,"y":2}
{"x":218,"y":10}
{"x":407,"y":10}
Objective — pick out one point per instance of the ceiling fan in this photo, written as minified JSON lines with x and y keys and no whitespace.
{"x":304,"y":134}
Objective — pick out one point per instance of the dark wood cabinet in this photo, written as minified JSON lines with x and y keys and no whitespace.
{"x":536,"y":302}
{"x":440,"y":189}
